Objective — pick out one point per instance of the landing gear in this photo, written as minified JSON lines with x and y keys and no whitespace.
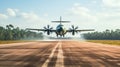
{"x":61,"y":35}
{"x":57,"y":35}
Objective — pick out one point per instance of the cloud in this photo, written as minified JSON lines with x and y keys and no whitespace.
{"x":82,"y":12}
{"x":12,"y":12}
{"x":46,"y":15}
{"x":3,"y":16}
{"x":102,"y":15}
{"x":22,"y":19}
{"x":77,"y":9}
{"x":111,"y":3}
{"x":110,"y":10}
{"x":26,"y":16}
{"x":32,"y":19}
{"x":94,"y":1}
{"x":30,"y":16}
{"x":76,"y":4}
{"x":107,"y":18}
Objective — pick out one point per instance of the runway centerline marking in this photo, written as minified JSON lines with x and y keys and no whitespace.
{"x":60,"y":57}
{"x":59,"y":62}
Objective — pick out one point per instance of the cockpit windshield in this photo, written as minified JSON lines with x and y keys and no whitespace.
{"x":59,"y":26}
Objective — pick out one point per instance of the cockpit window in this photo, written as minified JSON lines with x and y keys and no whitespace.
{"x":59,"y":26}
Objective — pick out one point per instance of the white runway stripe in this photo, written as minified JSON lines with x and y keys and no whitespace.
{"x":51,"y":55}
{"x":60,"y":57}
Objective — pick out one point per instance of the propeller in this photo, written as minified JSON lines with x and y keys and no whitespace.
{"x":73,"y":29}
{"x":48,"y":29}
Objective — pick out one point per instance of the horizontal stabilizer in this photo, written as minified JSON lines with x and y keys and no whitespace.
{"x":61,"y":21}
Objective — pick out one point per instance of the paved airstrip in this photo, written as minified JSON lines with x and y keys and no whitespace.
{"x":59,"y":54}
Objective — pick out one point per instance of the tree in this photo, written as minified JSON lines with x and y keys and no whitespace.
{"x":12,"y":33}
{"x":105,"y":35}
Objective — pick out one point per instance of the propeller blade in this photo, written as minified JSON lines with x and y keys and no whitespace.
{"x":48,"y":26}
{"x":73,"y":26}
{"x":45,"y":28}
{"x":76,"y":27}
{"x":51,"y":28}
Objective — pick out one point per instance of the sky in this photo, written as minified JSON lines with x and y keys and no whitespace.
{"x":86,"y":14}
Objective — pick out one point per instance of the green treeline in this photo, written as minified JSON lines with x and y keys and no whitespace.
{"x":104,"y":35}
{"x":15,"y":33}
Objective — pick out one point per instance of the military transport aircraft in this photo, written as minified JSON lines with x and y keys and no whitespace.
{"x":60,"y":30}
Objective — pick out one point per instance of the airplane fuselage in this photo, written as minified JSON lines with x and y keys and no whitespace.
{"x":60,"y":30}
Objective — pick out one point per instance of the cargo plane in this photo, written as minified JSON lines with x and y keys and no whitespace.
{"x":60,"y":29}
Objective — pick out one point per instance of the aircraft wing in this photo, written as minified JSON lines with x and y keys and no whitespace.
{"x":40,"y":29}
{"x":35,"y":29}
{"x":85,"y":30}
{"x":81,"y":30}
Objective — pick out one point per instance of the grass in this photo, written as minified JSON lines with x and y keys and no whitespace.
{"x":112,"y":42}
{"x":12,"y":41}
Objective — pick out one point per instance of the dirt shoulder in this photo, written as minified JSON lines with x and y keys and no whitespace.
{"x":14,"y":41}
{"x":111,"y":42}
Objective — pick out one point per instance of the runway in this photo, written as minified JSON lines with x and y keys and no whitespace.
{"x":59,"y":54}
